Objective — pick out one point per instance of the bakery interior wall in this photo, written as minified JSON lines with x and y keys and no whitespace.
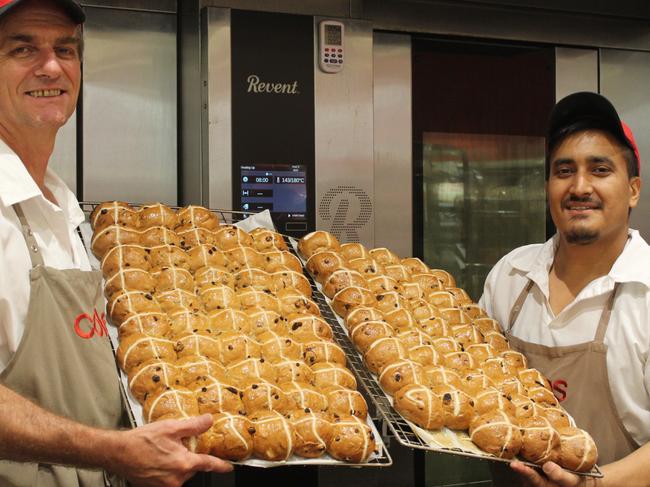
{"x":142,"y":119}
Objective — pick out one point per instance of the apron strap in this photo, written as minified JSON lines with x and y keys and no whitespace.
{"x":30,"y":240}
{"x":604,"y":317}
{"x":519,"y":303}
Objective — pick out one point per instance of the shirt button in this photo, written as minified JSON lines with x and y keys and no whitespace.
{"x":35,"y":248}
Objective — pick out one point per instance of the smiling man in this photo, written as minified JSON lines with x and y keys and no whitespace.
{"x":62,"y":420}
{"x":578,"y":306}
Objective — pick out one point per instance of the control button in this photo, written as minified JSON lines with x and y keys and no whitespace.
{"x":327,"y":49}
{"x":340,"y":55}
{"x":340,"y":50}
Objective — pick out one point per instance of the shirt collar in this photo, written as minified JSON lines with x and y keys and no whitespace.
{"x":631,"y":266}
{"x":17,"y":186}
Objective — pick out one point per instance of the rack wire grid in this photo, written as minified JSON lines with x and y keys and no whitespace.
{"x":400,"y":428}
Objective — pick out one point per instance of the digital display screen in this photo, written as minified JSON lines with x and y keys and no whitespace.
{"x":333,"y":35}
{"x":279,"y":188}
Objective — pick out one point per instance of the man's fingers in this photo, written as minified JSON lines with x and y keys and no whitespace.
{"x":532,"y":478}
{"x":208,"y":463}
{"x":185,"y":428}
{"x":554,"y":472}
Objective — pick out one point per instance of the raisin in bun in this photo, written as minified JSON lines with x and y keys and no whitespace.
{"x":169,"y":278}
{"x":351,"y":297}
{"x":200,"y":343}
{"x":384,"y":256}
{"x":351,"y":441}
{"x":492,"y":399}
{"x":424,"y":355}
{"x":213,"y":276}
{"x":384,"y":351}
{"x":236,"y":346}
{"x":390,"y":301}
{"x":481,"y":352}
{"x":301,"y":324}
{"x":129,"y":280}
{"x":251,"y":367}
{"x":322,"y":264}
{"x":230,"y":437}
{"x":152,"y":377}
{"x":415,"y":265}
{"x":457,"y":407}
{"x":366,"y":266}
{"x":184,"y":321}
{"x":217,"y":395}
{"x":293,"y":301}
{"x":400,"y":373}
{"x":228,"y":237}
{"x":368,"y":332}
{"x":558,"y":417}
{"x":400,"y":319}
{"x":157,"y":215}
{"x":276,"y":347}
{"x":288,"y":278}
{"x":577,"y":449}
{"x":274,"y":437}
{"x":362,"y":314}
{"x":293,"y":370}
{"x":318,"y":351}
{"x":264,"y":239}
{"x":540,"y":441}
{"x":155,"y":236}
{"x":428,"y":282}
{"x":398,"y":272}
{"x":113,"y":213}
{"x":197,"y":216}
{"x":304,"y":395}
{"x":195,"y":367}
{"x":125,"y":257}
{"x":278,"y":260}
{"x":383,"y":284}
{"x":205,"y":255}
{"x":313,"y":432}
{"x":151,"y":323}
{"x":136,"y":349}
{"x":340,"y":279}
{"x":496,"y":433}
{"x":317,"y":241}
{"x":176,"y":400}
{"x":261,"y":395}
{"x":112,"y":236}
{"x":342,"y":401}
{"x":437,"y":375}
{"x":241,"y":257}
{"x":474,"y":382}
{"x":418,"y":403}
{"x":168,"y":256}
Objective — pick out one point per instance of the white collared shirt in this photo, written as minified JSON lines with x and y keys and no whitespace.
{"x":55,"y":230}
{"x":628,"y":333}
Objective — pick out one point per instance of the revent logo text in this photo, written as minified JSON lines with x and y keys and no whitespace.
{"x":257,"y":86}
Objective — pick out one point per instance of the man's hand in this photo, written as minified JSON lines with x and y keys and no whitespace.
{"x":154,"y":455}
{"x":555,"y":476}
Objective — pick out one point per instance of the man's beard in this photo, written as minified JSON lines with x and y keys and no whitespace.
{"x":581,"y":236}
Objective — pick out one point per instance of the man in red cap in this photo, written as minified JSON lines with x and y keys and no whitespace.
{"x":60,"y":402}
{"x":578,"y":306}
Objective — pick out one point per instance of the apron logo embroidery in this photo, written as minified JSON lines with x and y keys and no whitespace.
{"x":560,"y":387}
{"x":97,"y":321}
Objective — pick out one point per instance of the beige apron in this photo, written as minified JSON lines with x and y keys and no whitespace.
{"x":65,"y":364}
{"x":579,"y":374}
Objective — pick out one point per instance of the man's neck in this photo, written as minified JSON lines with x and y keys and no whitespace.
{"x":575,"y":266}
{"x":34,"y":150}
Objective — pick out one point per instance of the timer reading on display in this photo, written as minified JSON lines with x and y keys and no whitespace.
{"x":333,"y":35}
{"x":279,"y":188}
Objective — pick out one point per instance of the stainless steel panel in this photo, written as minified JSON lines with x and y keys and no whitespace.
{"x":393,"y":142}
{"x":64,"y":157}
{"x":167,"y":6}
{"x":500,"y":22}
{"x":575,"y":70}
{"x":217,"y":59}
{"x":624,"y":77}
{"x":129,"y":119}
{"x":344,"y":140}
{"x":333,"y":8}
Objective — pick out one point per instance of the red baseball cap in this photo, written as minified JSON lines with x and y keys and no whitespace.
{"x":587,"y":106}
{"x":72,"y":8}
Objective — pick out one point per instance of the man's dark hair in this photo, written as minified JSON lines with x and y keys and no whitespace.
{"x":558,"y":137}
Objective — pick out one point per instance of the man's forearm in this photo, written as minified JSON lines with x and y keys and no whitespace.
{"x":30,"y":433}
{"x":631,"y":471}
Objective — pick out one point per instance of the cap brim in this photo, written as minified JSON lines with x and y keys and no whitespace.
{"x":71,"y":8}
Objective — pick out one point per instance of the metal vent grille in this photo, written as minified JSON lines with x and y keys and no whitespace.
{"x":340,"y":205}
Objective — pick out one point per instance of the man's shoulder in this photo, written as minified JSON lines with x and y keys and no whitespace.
{"x":522,"y":258}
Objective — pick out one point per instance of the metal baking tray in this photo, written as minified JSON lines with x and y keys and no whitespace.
{"x":380,"y":459}
{"x":405,"y":432}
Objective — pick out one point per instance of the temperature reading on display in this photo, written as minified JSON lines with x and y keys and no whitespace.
{"x":279,"y":188}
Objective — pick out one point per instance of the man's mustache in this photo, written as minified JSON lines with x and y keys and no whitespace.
{"x":585,"y":200}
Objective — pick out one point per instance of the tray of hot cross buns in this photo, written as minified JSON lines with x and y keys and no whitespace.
{"x":211,"y":312}
{"x":440,"y":370}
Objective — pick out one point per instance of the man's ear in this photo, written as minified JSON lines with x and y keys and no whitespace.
{"x":635,"y":191}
